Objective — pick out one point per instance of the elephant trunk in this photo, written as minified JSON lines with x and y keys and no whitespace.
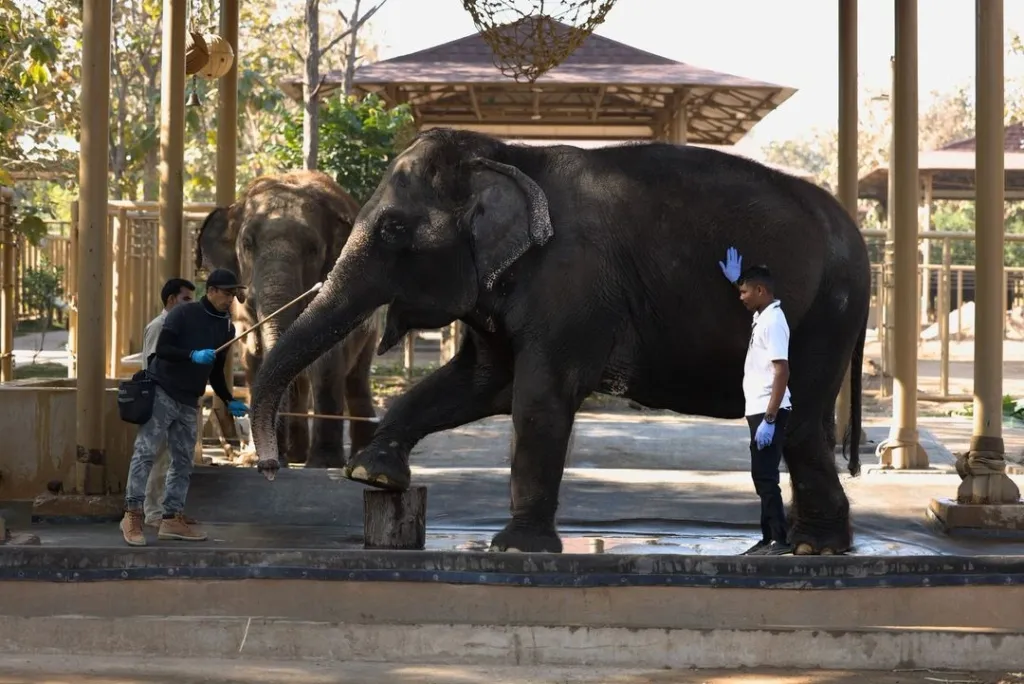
{"x":347,"y":298}
{"x":274,"y":285}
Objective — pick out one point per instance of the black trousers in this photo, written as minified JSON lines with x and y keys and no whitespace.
{"x":764,"y":469}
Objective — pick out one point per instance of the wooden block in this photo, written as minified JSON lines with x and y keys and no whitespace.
{"x":395,"y":520}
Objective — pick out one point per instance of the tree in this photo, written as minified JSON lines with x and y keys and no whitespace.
{"x":39,"y":74}
{"x":359,"y":139}
{"x":313,"y":82}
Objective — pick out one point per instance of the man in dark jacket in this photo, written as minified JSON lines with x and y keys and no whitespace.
{"x":184,"y":362}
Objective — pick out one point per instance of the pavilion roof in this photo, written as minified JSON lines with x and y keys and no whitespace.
{"x":951,"y":168}
{"x":605,"y":89}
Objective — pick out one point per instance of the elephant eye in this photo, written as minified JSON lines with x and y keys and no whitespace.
{"x":392,"y":227}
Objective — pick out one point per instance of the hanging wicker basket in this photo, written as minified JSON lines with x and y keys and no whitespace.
{"x":197,"y":54}
{"x":221,"y":57}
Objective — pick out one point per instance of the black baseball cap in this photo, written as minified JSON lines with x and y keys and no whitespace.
{"x":223,"y":279}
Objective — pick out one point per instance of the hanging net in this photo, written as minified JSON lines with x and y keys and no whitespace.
{"x":530,"y":37}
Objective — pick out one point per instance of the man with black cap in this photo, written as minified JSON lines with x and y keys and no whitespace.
{"x":184,"y":362}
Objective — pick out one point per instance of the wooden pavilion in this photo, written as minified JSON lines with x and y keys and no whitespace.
{"x":604,"y":90}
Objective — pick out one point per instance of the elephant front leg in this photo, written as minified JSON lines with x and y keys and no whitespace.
{"x":328,"y":450}
{"x":475,"y":384}
{"x":542,"y":415}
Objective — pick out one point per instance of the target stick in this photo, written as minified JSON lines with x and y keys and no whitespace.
{"x":308,"y":292}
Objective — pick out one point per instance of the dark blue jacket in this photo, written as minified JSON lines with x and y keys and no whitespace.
{"x":188,"y":327}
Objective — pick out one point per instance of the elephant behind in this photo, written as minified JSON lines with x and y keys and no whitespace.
{"x":590,"y":270}
{"x":282,"y":236}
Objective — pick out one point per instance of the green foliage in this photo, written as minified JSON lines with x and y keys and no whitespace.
{"x":358,"y":139}
{"x":38,"y":97}
{"x":41,"y":288}
{"x":1013,"y":410}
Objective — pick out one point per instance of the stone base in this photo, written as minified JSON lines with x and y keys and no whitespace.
{"x":953,"y":516}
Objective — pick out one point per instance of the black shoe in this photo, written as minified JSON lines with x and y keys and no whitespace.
{"x":766,"y":548}
{"x":757,"y":549}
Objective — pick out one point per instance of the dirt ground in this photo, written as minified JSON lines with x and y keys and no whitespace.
{"x":94,"y":670}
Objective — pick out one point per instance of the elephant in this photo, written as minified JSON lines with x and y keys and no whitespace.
{"x":590,"y":270}
{"x":281,"y":236}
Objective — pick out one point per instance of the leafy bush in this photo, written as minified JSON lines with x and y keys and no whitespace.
{"x":358,"y":139}
{"x":42,"y":290}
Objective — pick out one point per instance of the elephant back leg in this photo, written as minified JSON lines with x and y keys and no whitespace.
{"x":359,"y":395}
{"x":820,"y":511}
{"x":327,"y":388}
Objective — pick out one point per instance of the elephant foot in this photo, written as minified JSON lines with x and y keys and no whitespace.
{"x":807,"y":543}
{"x":383,"y":464}
{"x":323,"y":457}
{"x":518,"y":537}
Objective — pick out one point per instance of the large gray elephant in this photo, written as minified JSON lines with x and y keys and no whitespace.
{"x":282,"y":236}
{"x":590,"y":270}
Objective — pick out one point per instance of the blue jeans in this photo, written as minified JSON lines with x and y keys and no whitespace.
{"x":764,"y":469}
{"x":173,"y":424}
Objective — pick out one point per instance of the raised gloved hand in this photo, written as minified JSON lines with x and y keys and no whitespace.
{"x":764,"y":435}
{"x":202,"y":356}
{"x":732,"y":266}
{"x":237,"y":408}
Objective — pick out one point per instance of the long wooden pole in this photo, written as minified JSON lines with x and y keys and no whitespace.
{"x":261,"y":322}
{"x":328,"y":416}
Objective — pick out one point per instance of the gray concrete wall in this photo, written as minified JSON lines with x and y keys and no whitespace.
{"x":882,"y":628}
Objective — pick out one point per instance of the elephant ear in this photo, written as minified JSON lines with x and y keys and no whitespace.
{"x":508,"y":214}
{"x":215,"y":244}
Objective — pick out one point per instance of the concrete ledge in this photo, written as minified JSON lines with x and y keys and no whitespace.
{"x":77,"y":564}
{"x":962,"y":607}
{"x":240,"y":637}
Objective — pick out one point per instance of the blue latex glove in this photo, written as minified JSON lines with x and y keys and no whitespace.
{"x":733,"y":265}
{"x":765,"y":433}
{"x":202,"y":356}
{"x":237,"y":408}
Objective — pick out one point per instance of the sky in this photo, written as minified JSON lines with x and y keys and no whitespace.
{"x":788,"y":42}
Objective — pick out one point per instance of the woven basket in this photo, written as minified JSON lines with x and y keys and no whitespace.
{"x":197,"y":54}
{"x":221,"y":57}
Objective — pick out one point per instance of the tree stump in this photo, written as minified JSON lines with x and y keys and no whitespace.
{"x":395,"y":520}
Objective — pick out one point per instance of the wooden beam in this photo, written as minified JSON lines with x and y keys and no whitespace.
{"x":597,"y":102}
{"x":476,"y":105}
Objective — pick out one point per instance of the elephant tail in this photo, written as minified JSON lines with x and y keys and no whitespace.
{"x":852,"y":437}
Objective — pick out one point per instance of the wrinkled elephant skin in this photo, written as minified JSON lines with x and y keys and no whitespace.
{"x":580,"y":271}
{"x":281,"y":236}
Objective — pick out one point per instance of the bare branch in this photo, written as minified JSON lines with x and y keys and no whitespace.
{"x":337,"y":39}
{"x":316,"y":91}
{"x":369,"y":15}
{"x":296,"y":51}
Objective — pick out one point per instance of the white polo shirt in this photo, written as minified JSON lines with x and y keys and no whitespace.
{"x":769,"y":341}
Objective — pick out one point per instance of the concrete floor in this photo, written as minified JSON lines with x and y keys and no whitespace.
{"x":64,"y":669}
{"x":643,"y":482}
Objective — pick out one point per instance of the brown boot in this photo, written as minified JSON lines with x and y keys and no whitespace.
{"x":178,"y":528}
{"x":131,"y":528}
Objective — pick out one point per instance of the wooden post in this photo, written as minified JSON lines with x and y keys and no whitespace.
{"x":395,"y":520}
{"x":8,"y":313}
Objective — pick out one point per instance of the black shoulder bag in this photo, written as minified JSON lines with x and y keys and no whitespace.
{"x":135,"y":398}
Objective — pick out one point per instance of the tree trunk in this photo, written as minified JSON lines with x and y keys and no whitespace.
{"x":395,"y":520}
{"x":351,"y":57}
{"x":310,"y":88}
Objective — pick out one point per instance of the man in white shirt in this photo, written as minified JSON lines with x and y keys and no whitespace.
{"x":766,"y":394}
{"x":175,"y":291}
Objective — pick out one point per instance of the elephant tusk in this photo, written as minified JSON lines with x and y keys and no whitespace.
{"x":239,"y":336}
